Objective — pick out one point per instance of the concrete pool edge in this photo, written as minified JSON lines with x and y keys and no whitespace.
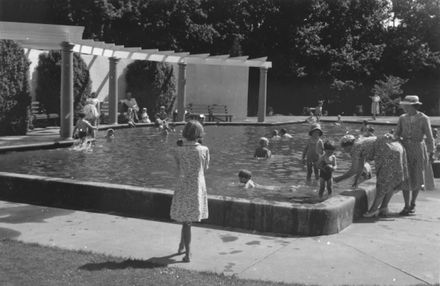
{"x":37,"y":146}
{"x":328,"y":217}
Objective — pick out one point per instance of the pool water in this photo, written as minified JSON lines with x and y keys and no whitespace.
{"x":140,"y":157}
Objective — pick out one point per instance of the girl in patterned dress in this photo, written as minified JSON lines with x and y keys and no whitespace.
{"x":390,"y":162}
{"x":414,"y":131}
{"x":190,"y":199}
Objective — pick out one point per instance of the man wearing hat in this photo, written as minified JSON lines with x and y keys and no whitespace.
{"x":414,"y":131}
{"x":312,"y":151}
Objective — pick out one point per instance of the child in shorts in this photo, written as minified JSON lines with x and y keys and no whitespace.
{"x":313,"y":150}
{"x":326,"y":164}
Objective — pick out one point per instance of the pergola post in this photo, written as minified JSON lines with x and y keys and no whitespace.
{"x":262,"y":95}
{"x":66,"y":102}
{"x":181,"y":92}
{"x":113,"y":90}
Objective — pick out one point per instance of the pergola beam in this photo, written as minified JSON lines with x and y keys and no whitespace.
{"x":49,"y":37}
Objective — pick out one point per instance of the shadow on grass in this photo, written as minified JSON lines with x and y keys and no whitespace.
{"x":153,"y":262}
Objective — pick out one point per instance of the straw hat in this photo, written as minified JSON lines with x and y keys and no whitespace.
{"x":410,"y":100}
{"x":315,"y":126}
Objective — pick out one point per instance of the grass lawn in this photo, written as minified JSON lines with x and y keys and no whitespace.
{"x":31,"y":264}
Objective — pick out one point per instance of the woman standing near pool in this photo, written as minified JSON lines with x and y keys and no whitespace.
{"x":414,"y":130}
{"x":190,"y":199}
{"x":390,"y":162}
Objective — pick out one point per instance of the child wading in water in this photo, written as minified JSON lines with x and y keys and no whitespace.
{"x":326,"y":164}
{"x":245,"y":178}
{"x":313,"y":150}
{"x":262,"y":151}
{"x":83,"y":128}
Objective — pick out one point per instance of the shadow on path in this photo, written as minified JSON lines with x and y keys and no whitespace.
{"x":29,"y":213}
{"x":153,"y":262}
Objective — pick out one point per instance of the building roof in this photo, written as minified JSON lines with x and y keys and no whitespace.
{"x":50,"y":37}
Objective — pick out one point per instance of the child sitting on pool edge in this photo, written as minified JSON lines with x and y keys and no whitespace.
{"x":262,"y":151}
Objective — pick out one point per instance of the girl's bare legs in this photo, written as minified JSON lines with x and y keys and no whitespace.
{"x":182,"y":242}
{"x":186,"y":231}
{"x":384,"y":206}
{"x":321,"y":187}
{"x":412,"y":206}
{"x":330,"y":186}
{"x":316,"y":170}
{"x":309,"y":170}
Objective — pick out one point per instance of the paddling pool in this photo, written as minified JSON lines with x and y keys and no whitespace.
{"x":140,"y":157}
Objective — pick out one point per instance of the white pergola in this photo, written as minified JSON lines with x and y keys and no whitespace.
{"x":69,"y":39}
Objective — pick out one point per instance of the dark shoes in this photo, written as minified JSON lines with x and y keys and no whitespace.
{"x":412,"y":208}
{"x":408,"y":210}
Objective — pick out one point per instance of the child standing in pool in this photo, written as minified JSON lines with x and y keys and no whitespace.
{"x":326,"y":164}
{"x":262,"y":151}
{"x":82,"y":128}
{"x":313,"y":150}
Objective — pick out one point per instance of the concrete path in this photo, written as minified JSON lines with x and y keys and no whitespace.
{"x":389,"y":251}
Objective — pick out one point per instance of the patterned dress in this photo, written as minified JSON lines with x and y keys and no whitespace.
{"x":190,"y":200}
{"x":389,"y":158}
{"x":416,"y":135}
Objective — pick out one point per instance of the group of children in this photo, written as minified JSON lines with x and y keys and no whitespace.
{"x":262,"y":151}
{"x":318,"y":156}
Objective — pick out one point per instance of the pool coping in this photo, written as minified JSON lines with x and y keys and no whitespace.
{"x":328,"y":217}
{"x":37,"y":146}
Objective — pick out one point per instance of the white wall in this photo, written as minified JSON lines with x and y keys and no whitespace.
{"x":225,"y":85}
{"x":205,"y":84}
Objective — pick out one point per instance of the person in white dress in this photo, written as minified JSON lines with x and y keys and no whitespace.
{"x":190,"y":200}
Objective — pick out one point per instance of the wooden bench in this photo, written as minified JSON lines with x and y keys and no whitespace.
{"x":218,"y":112}
{"x":196,"y":111}
{"x":104,"y":113}
{"x":40,"y":117}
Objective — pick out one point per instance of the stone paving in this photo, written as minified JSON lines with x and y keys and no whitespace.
{"x":388,"y":251}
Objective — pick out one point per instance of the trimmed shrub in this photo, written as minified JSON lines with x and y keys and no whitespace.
{"x":49,"y":82}
{"x":152,"y":84}
{"x":14,"y":89}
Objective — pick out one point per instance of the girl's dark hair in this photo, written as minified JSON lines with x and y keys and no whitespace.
{"x":245,"y":174}
{"x":193,"y":130}
{"x":328,"y":145}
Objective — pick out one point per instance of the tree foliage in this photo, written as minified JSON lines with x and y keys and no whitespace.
{"x":152,"y":84}
{"x":14,"y":89}
{"x":49,"y":81}
{"x":320,"y":49}
{"x":389,"y":91}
